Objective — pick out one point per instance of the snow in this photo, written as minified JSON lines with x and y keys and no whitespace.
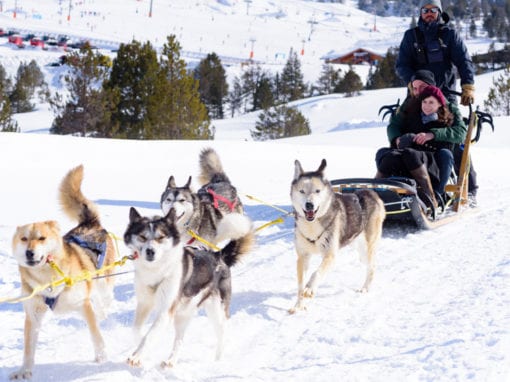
{"x":439,"y":306}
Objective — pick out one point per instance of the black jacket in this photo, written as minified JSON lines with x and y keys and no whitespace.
{"x":443,"y":49}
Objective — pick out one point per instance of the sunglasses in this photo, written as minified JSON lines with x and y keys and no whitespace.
{"x":424,"y":11}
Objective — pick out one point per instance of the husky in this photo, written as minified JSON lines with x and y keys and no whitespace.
{"x":175,"y":280}
{"x":326,"y":221}
{"x":201,"y":211}
{"x":39,"y":249}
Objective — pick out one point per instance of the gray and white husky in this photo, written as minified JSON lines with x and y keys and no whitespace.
{"x":326,"y":221}
{"x":201,"y":211}
{"x":175,"y":281}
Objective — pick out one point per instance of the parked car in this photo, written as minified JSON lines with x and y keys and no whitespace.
{"x":28,"y":37}
{"x":52,"y":44}
{"x":17,"y":40}
{"x":64,"y":41}
{"x":37,"y":42}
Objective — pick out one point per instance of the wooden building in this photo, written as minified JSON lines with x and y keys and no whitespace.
{"x":356,"y":57}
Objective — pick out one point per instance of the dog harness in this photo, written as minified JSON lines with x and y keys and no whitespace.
{"x":98,"y":248}
{"x":217,"y":198}
{"x":51,"y":302}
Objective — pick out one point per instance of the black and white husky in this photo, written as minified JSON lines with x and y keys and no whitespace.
{"x":327,"y":221}
{"x":175,"y":280}
{"x":201,"y":211}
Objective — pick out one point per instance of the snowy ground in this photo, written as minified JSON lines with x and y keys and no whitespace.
{"x":438,"y":309}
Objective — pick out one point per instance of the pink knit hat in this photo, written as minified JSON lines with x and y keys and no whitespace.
{"x":434,"y":92}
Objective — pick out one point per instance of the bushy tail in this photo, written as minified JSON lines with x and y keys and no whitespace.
{"x":74,"y":204}
{"x":238,"y":229}
{"x":211,"y":169}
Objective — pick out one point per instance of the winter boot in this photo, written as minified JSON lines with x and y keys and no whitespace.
{"x":422,"y":178}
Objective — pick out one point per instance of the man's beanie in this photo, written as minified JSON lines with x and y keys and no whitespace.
{"x":435,"y":3}
{"x":434,"y":92}
{"x":424,"y":75}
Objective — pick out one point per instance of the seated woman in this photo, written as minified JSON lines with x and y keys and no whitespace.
{"x":423,"y":150}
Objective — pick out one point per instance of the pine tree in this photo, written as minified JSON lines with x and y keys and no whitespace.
{"x":350,"y":85}
{"x":498,"y":99}
{"x":250,"y":82}
{"x":213,"y":85}
{"x":292,"y":86}
{"x":28,"y":79}
{"x":86,"y":108}
{"x":5,"y":81}
{"x":7,"y":124}
{"x":328,"y":80}
{"x":235,"y":97}
{"x":384,"y":75}
{"x":137,"y":78}
{"x":186,"y":116}
{"x":263,"y":98}
{"x":280,"y":122}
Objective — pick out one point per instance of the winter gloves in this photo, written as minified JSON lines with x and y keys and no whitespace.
{"x":468,"y":94}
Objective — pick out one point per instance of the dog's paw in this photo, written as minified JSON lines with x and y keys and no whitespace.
{"x":300,"y":306}
{"x":168,"y":364}
{"x":308,"y":292}
{"x":100,"y":357}
{"x":134,"y":361}
{"x":362,"y":290}
{"x":20,"y":375}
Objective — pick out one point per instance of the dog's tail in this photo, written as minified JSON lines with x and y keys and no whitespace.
{"x":74,"y":204}
{"x":238,"y":229}
{"x":211,"y":169}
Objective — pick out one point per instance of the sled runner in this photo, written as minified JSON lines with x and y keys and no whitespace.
{"x":402,"y":199}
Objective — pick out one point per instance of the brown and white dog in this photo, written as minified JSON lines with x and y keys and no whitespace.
{"x":36,"y":246}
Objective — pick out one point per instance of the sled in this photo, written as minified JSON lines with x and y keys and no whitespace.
{"x":400,"y":194}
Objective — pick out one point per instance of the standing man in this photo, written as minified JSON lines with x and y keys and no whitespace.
{"x":434,"y":46}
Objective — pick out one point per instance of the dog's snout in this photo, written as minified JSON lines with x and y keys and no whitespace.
{"x":309,"y":206}
{"x":149,"y":253}
{"x":29,"y":254}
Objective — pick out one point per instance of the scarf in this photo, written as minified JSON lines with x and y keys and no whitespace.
{"x":429,"y":118}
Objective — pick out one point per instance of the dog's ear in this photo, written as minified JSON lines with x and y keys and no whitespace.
{"x":188,"y":183}
{"x":321,"y":168}
{"x":298,"y":170}
{"x":133,"y":214}
{"x":171,"y":182}
{"x":53,"y":225}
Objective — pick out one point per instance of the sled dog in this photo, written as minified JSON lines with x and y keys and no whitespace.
{"x":326,"y":221}
{"x":39,"y":249}
{"x":201,"y":212}
{"x":175,"y":280}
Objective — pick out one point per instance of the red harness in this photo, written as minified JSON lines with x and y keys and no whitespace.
{"x":217,"y":197}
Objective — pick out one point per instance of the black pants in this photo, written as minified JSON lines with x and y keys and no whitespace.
{"x":400,"y":162}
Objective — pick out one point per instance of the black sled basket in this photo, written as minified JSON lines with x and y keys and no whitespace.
{"x":398,"y":194}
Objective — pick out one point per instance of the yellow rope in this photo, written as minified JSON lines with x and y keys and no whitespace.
{"x":267,"y":204}
{"x":203,"y":241}
{"x":398,"y":212}
{"x":67,"y":280}
{"x":275,"y":221}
